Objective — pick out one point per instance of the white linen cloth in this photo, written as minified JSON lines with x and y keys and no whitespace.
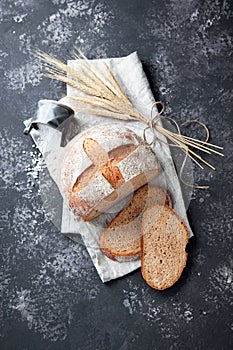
{"x":130,"y":75}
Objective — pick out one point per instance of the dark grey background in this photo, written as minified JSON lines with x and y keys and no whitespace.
{"x":51,"y":295}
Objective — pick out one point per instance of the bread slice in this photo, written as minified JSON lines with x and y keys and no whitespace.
{"x":164,"y":239}
{"x":121,"y":240}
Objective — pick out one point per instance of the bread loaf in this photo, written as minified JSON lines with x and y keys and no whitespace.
{"x":121,"y":240}
{"x":164,"y":239}
{"x":103,"y":165}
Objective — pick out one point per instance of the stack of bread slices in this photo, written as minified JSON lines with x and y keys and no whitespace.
{"x":148,"y":228}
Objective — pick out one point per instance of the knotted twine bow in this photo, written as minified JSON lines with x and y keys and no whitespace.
{"x":178,"y":140}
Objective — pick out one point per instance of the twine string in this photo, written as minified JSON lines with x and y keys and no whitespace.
{"x":153,"y":126}
{"x":190,"y":121}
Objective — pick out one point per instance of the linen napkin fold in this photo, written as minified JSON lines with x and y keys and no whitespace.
{"x":130,"y":75}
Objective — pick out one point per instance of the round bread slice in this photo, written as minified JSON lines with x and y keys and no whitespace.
{"x":164,"y":239}
{"x":121,"y":240}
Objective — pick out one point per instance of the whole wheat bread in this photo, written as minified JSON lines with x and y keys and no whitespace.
{"x":121,"y":240}
{"x":164,"y":239}
{"x":103,"y":165}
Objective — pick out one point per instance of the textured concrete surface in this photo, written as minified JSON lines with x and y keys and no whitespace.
{"x":51,"y":296}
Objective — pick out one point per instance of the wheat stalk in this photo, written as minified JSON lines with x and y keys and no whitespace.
{"x":105,"y":97}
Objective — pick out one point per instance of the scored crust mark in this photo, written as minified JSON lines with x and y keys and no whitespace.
{"x":104,"y":163}
{"x":122,"y":237}
{"x":164,"y":240}
{"x":112,"y":173}
{"x":95,"y":152}
{"x":110,"y":170}
{"x":82,"y":181}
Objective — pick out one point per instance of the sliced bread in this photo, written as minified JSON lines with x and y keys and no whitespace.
{"x":121,"y":240}
{"x":164,"y":239}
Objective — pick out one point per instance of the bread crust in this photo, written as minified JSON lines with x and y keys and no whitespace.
{"x":127,"y":257}
{"x":185,"y":231}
